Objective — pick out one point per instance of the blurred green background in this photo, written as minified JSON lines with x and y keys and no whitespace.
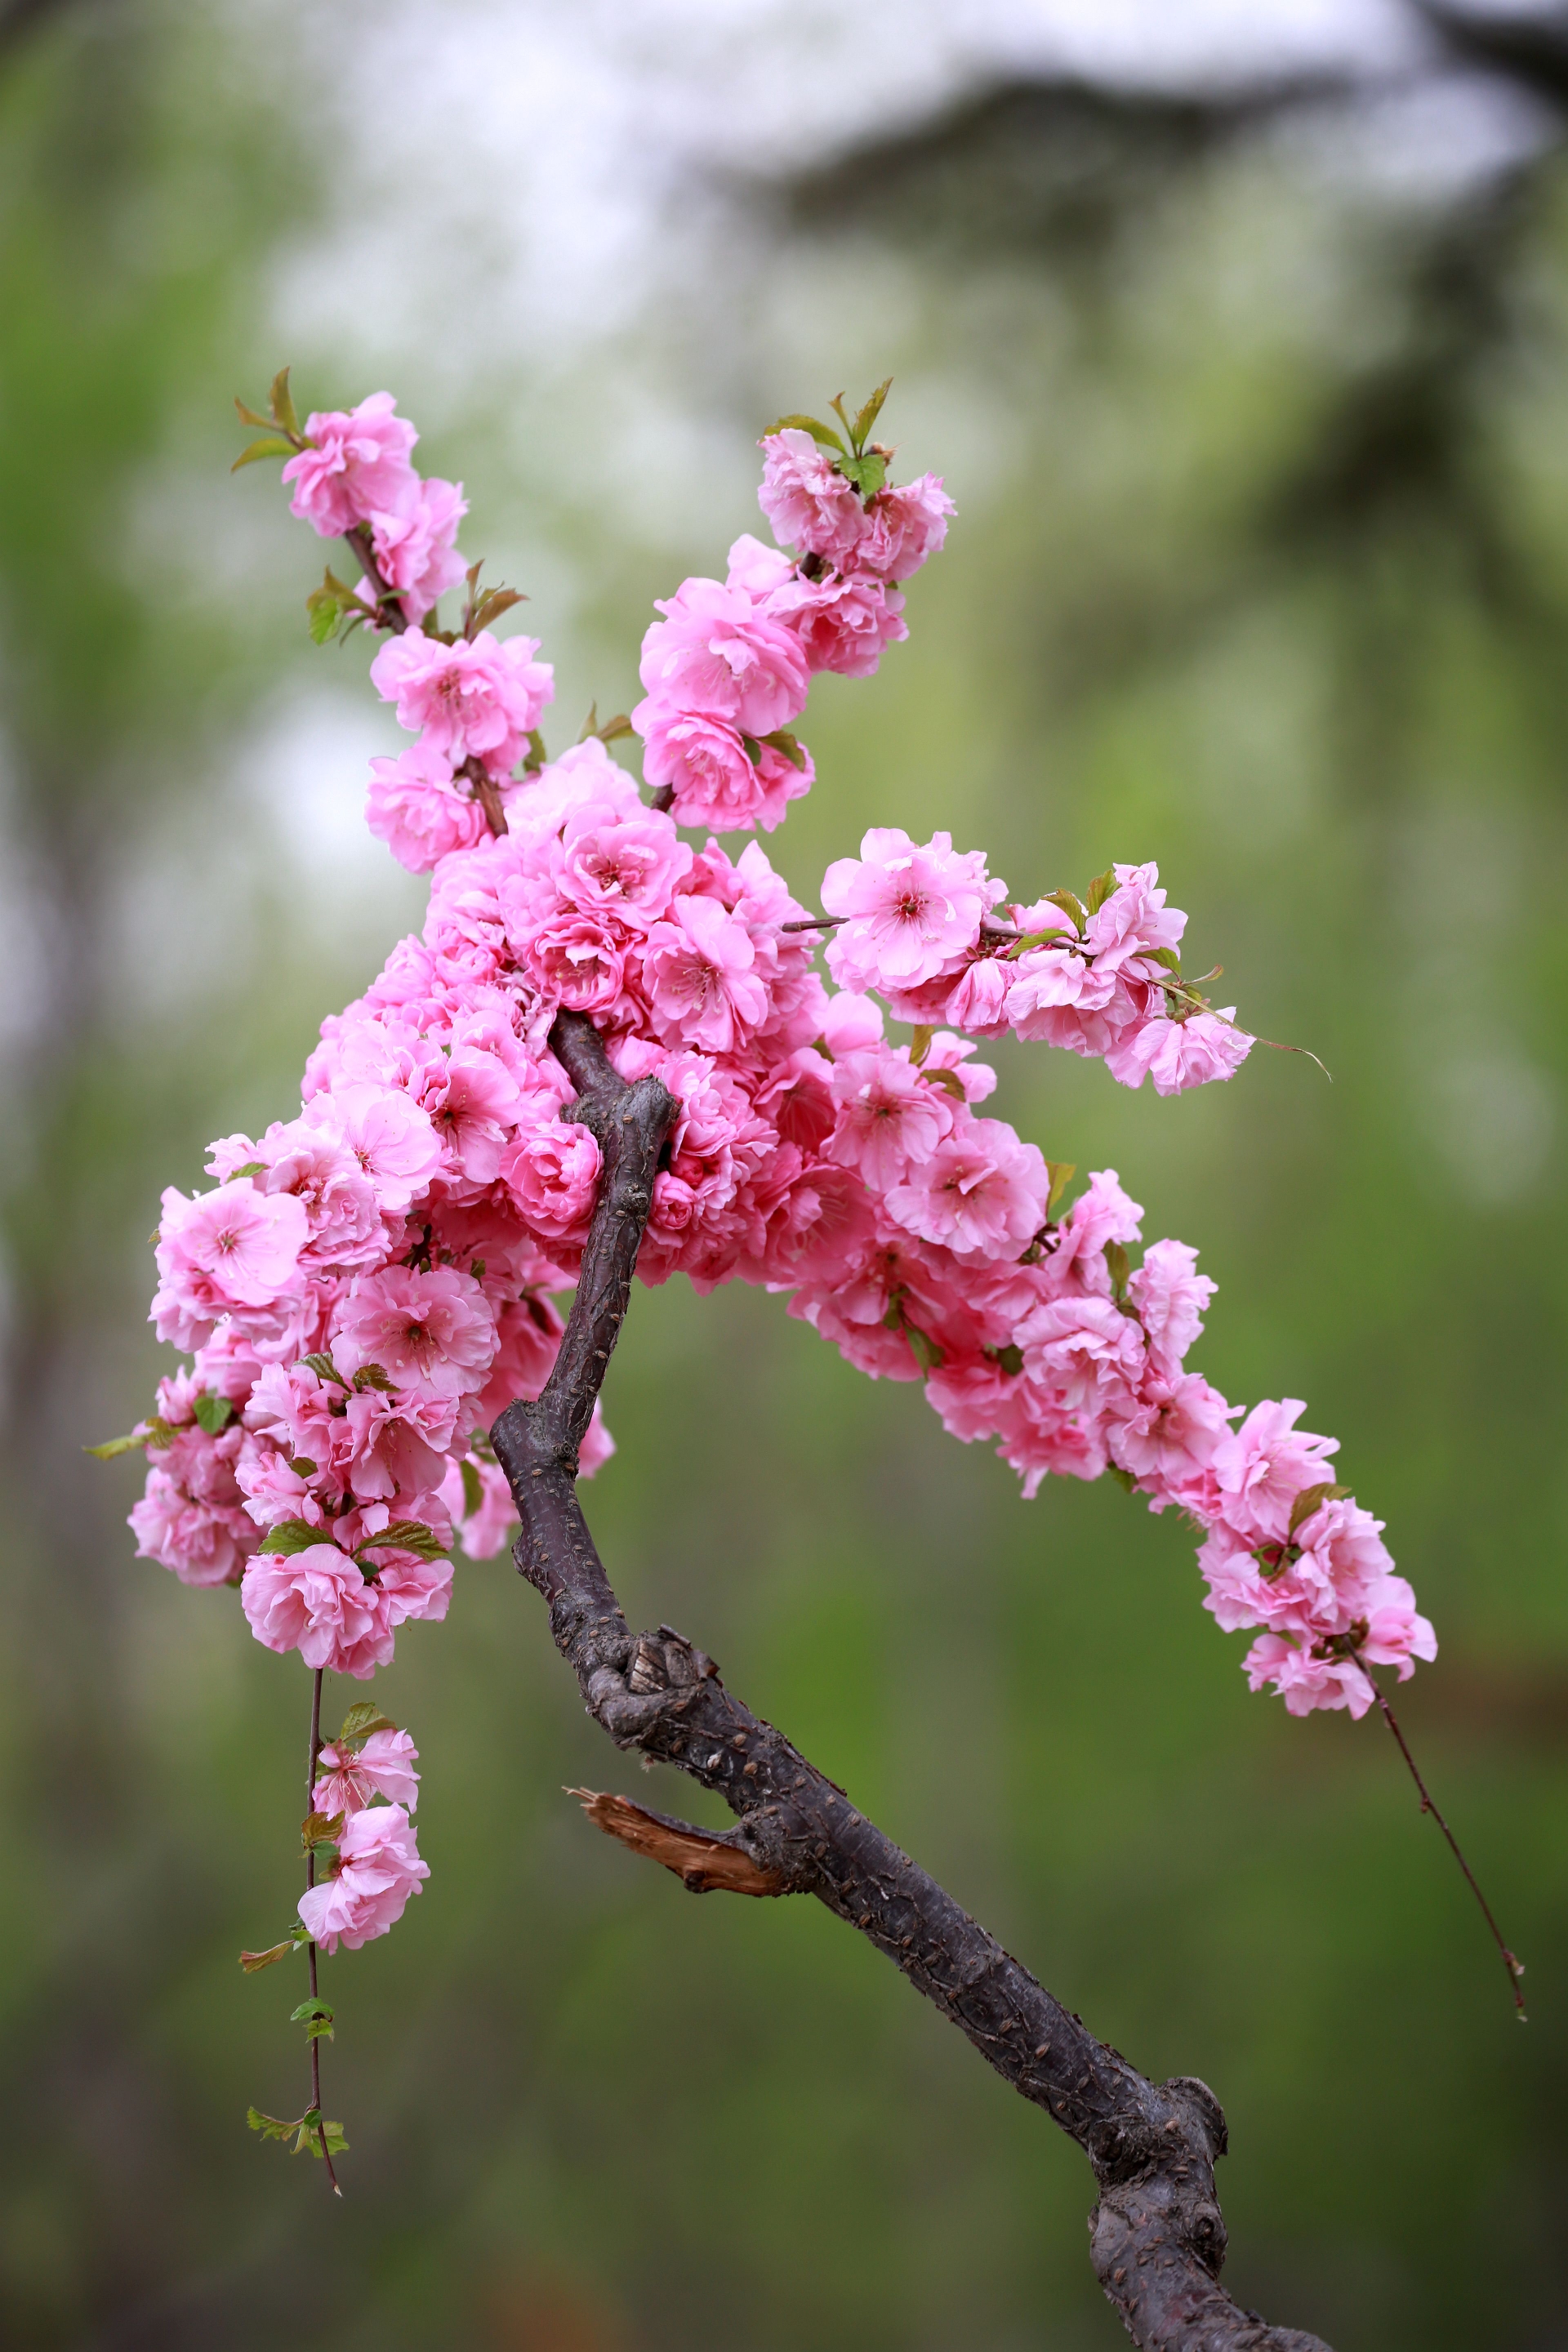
{"x":1252,"y":386}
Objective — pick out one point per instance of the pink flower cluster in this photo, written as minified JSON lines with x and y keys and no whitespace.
{"x":377,"y":1865}
{"x":364,"y":1288}
{"x":355,"y":475}
{"x":726,"y":672}
{"x":920,"y":925}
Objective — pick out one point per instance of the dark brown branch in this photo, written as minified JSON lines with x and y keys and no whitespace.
{"x":1157,"y":2234}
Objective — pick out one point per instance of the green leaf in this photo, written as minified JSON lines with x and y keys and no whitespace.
{"x":1167,"y":956}
{"x":371,"y":1376}
{"x":312,"y":2128}
{"x":363,"y":1717}
{"x":269,"y":2127}
{"x":869,"y":412}
{"x":1061,"y":1173}
{"x":950,"y":1082}
{"x":1071,"y":905}
{"x":316,"y":2017}
{"x":303,"y":1467}
{"x":251,"y":1167}
{"x":115,"y":1445}
{"x":272,"y":447}
{"x":1118,"y":1267}
{"x":751,"y":748}
{"x":473,"y":1488}
{"x":249,"y":416}
{"x":1123,"y":1478}
{"x":793,"y":748}
{"x":251,"y":1961}
{"x":405,"y":1535}
{"x":321,"y":1828}
{"x":1100,"y":888}
{"x":291,"y":1535}
{"x":868,"y":473}
{"x":280,"y":401}
{"x":322,"y":607}
{"x":614,"y":729}
{"x":796,"y":423}
{"x":1010,"y":1358}
{"x":920,"y":1044}
{"x":213,"y":1411}
{"x":536,"y":755}
{"x":324,"y":1367}
{"x":1309,"y":1499}
{"x":490,"y":608}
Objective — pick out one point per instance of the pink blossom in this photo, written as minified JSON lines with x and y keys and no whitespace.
{"x":891,"y":1118}
{"x":433,"y":1332}
{"x":357,"y":463}
{"x":982,"y":1191}
{"x":224,"y":1252}
{"x":551,"y":1170}
{"x":809,"y":505}
{"x":1084,"y":1349}
{"x":414,"y":545}
{"x":1321,"y":1674}
{"x":376,"y":1871}
{"x":698,"y":969}
{"x":393,"y":1141}
{"x":415,"y":806}
{"x":491,"y":1526}
{"x":474,"y":700}
{"x":1168,"y":1433}
{"x":1179,"y":1054}
{"x":625,"y":866}
{"x":318,"y":1601}
{"x":715,"y":653}
{"x":978,"y":999}
{"x":904,"y":524}
{"x":392,"y":1444}
{"x":381,"y":1766}
{"x":911,"y":911}
{"x":303,"y":1159}
{"x":574,"y":957}
{"x":711,"y":776}
{"x":1170,"y":1295}
{"x":192,"y":1518}
{"x":413,"y":1588}
{"x":1262,"y":1468}
{"x":851,"y":1023}
{"x":844,"y":626}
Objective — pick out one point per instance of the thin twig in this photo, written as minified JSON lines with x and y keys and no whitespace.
{"x":1515,"y":1968}
{"x":311,"y":1948}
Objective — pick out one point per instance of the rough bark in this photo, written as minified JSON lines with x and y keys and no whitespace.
{"x":1157,"y":2235}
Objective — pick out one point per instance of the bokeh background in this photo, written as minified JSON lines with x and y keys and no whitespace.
{"x":1240,"y":333}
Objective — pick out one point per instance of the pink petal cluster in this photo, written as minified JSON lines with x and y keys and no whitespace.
{"x":356,"y":474}
{"x":376,"y":1870}
{"x":369,"y":1283}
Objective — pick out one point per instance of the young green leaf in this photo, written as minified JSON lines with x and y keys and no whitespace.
{"x":115,"y":1445}
{"x":1123,"y":1478}
{"x":1010,"y":1359}
{"x":363,"y":1717}
{"x":868,"y":473}
{"x":793,"y":750}
{"x":282,"y":402}
{"x":536,"y":755}
{"x":949,"y":1081}
{"x":271,"y":447}
{"x":1309,"y":1499}
{"x":316,"y":2016}
{"x":213,"y":1411}
{"x":371,"y":1376}
{"x":324,"y":1367}
{"x":291,"y":1535}
{"x":796,"y":423}
{"x":473,"y":1488}
{"x":923,"y":1347}
{"x":405,"y":1535}
{"x":1100,"y":888}
{"x":251,"y":1961}
{"x":1071,"y":905}
{"x":251,"y":1167}
{"x":1118,"y":1267}
{"x":249,"y":416}
{"x":321,"y":1828}
{"x":919,"y":1043}
{"x":270,"y":2126}
{"x":1061,"y":1173}
{"x":860,"y":431}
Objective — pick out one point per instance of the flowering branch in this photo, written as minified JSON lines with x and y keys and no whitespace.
{"x":1158,"y":2237}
